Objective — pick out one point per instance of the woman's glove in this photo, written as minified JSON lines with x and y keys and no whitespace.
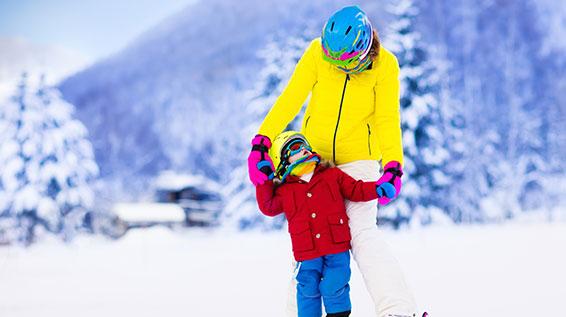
{"x":392,"y":173}
{"x":260,"y":166}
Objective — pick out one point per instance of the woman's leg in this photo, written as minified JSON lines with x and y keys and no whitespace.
{"x":381,"y":271}
{"x":292,"y":294}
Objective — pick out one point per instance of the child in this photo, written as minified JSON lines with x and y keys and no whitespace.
{"x":311,"y":194}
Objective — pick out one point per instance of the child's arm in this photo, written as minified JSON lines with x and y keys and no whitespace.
{"x":355,"y":190}
{"x":268,"y":201}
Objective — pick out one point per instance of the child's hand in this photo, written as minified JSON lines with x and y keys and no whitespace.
{"x":386,"y":190}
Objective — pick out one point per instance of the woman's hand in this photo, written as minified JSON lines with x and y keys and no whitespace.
{"x":260,"y":166}
{"x":392,"y":173}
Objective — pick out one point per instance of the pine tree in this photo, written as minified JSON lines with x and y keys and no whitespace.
{"x":505,"y":105}
{"x":423,"y":140}
{"x":47,"y":166}
{"x":522,"y":114}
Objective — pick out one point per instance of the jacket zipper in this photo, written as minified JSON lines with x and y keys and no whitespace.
{"x":369,"y":138}
{"x":338,"y":120}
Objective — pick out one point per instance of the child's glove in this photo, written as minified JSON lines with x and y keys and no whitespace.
{"x":385,"y":190}
{"x":260,"y":166}
{"x":392,"y":173}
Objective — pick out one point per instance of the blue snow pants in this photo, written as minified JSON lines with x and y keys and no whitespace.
{"x":324,"y":279}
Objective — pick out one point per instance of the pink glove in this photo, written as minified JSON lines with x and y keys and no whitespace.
{"x":392,"y":173}
{"x":260,"y":165}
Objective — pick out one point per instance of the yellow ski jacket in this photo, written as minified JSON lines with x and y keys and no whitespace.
{"x":349,"y":117}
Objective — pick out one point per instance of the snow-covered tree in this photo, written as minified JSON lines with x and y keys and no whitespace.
{"x":46,"y":166}
{"x":423,"y":140}
{"x":526,"y":137}
{"x":501,"y":95}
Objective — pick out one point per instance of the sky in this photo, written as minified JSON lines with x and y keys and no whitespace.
{"x":91,"y":28}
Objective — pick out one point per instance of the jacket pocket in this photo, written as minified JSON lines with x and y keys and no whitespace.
{"x":369,"y":139}
{"x":301,"y":237}
{"x":339,"y":228}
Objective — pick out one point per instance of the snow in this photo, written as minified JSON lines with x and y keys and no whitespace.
{"x":144,"y":212}
{"x":553,"y":15}
{"x":495,"y":270}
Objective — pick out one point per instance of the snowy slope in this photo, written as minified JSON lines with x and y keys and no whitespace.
{"x":511,"y":270}
{"x":18,"y":55}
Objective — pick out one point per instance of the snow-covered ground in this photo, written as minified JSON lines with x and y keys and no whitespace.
{"x":496,"y":270}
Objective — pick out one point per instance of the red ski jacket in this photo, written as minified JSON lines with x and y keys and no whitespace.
{"x":315,"y":210}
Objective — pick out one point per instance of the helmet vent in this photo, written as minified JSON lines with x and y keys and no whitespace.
{"x":348,"y":29}
{"x":331,"y":26}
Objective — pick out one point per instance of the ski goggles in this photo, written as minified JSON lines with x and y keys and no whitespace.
{"x":341,"y":58}
{"x":294,"y":147}
{"x":350,"y":62}
{"x":356,"y":66}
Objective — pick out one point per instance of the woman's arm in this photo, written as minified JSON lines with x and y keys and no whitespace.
{"x":289,"y":103}
{"x":387,"y":118}
{"x":268,"y":201}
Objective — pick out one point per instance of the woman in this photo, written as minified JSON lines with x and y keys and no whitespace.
{"x":352,"y":119}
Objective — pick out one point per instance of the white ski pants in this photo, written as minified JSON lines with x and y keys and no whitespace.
{"x":380,"y":270}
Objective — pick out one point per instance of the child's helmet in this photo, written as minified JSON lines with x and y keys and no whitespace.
{"x":279,"y":145}
{"x":346,"y":39}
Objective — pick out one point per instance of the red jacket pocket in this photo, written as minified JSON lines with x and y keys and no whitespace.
{"x":301,"y":236}
{"x":339,"y":228}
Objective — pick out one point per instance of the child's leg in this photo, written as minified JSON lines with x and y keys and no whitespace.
{"x":334,"y":286}
{"x":308,"y":294}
